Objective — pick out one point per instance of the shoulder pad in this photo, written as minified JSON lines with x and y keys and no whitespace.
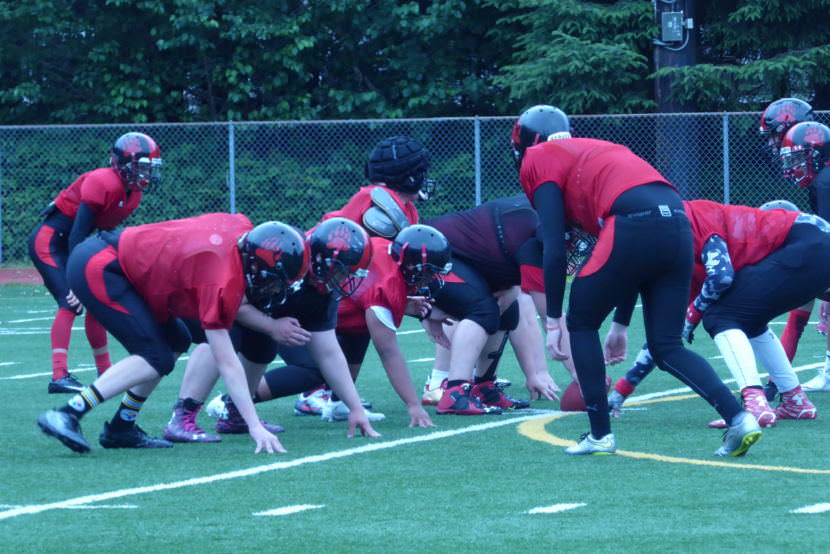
{"x":378,"y":223}
{"x":382,"y":198}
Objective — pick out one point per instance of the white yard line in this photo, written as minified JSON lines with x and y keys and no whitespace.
{"x":555,"y":508}
{"x":812,"y":509}
{"x":276,"y":466}
{"x":286,"y":510}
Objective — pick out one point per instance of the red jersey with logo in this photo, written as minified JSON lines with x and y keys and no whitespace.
{"x":750,"y":234}
{"x":591,"y":174}
{"x":104,"y":192}
{"x":360,"y":203}
{"x":188,"y":268}
{"x":384,"y":286}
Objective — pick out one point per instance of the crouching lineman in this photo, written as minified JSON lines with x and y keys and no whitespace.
{"x":139,"y":282}
{"x":751,"y":265}
{"x":300,"y":329}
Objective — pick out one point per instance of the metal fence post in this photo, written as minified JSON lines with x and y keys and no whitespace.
{"x":1,"y":201}
{"x":726,"y":182}
{"x":477,"y":150}
{"x":231,"y":168}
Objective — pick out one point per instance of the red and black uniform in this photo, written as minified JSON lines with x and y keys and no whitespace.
{"x":97,"y":199}
{"x":644,"y":246}
{"x":360,"y":203}
{"x":383,"y":287}
{"x":781,"y":260}
{"x":139,"y":283}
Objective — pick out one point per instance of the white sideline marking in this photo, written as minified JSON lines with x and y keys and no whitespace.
{"x":421,"y":360}
{"x":317,"y":458}
{"x":286,"y":510}
{"x":555,"y":508}
{"x":30,"y":319}
{"x":85,"y":507}
{"x":814,"y":509}
{"x":9,"y":363}
{"x":412,"y":332}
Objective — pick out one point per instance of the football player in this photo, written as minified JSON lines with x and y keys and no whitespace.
{"x":300,"y":330}
{"x":98,"y":199}
{"x":644,"y":246}
{"x":139,"y":282}
{"x":743,"y":257}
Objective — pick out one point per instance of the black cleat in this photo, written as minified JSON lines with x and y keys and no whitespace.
{"x":134,"y":437}
{"x":66,"y":384}
{"x":65,"y":427}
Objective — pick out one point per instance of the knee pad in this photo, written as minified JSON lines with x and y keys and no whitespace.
{"x":509,"y":319}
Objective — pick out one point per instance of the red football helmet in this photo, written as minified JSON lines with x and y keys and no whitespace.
{"x":780,"y":116}
{"x":340,"y":252}
{"x":804,"y":151}
{"x":137,"y":158}
{"x":274,"y":260}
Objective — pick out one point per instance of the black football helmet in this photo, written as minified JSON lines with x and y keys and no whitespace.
{"x":137,"y":158}
{"x":274,"y":261}
{"x":805,"y":150}
{"x":538,"y":124}
{"x":340,"y":252}
{"x":423,"y":254}
{"x":779,"y":117}
{"x":402,"y":164}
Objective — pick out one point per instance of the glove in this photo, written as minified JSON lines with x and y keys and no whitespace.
{"x":693,"y":317}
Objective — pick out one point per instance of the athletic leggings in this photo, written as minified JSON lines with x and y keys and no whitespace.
{"x":649,"y":254}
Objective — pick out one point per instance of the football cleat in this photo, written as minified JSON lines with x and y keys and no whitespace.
{"x":134,"y":437}
{"x":431,"y":396}
{"x":589,"y":445}
{"x":458,"y":400}
{"x":312,"y":403}
{"x":234,"y":424}
{"x":183,"y":428}
{"x":795,"y":405}
{"x":756,"y":403}
{"x":743,"y":433}
{"x":717,"y":424}
{"x":336,"y":410}
{"x":490,"y":393}
{"x":819,"y":383}
{"x":65,"y":427}
{"x":66,"y":384}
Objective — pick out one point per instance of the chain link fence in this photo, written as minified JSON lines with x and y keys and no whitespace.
{"x":296,"y":171}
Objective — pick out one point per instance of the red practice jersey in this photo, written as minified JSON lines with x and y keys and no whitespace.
{"x":104,"y":192}
{"x":384,"y":286}
{"x":360,"y":203}
{"x":591,"y":174}
{"x":750,"y":234}
{"x":188,"y":267}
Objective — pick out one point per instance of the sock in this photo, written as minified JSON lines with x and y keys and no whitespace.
{"x":60,"y":336}
{"x":127,"y":412}
{"x":189,"y":404}
{"x":769,"y":351}
{"x":456,"y":383}
{"x":436,"y":378}
{"x":83,"y":402}
{"x":796,"y":322}
{"x":737,"y":354}
{"x":97,"y":337}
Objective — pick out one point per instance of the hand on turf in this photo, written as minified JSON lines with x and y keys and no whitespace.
{"x":688,"y":331}
{"x":418,"y":417}
{"x":288,"y":331}
{"x":823,"y":318}
{"x":358,"y":420}
{"x":265,"y":440}
{"x":542,"y":385}
{"x":74,"y":303}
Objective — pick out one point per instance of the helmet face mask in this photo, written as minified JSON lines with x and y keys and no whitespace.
{"x":137,"y":158}
{"x":340,"y":252}
{"x":274,"y":262}
{"x":804,"y":152}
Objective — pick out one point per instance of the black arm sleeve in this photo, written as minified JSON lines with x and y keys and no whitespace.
{"x":82,"y":226}
{"x":822,"y":193}
{"x":550,"y":205}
